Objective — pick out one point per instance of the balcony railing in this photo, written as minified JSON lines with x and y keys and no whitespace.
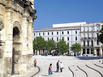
{"x":88,"y":38}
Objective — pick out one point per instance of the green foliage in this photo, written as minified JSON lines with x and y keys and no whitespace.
{"x":62,"y":46}
{"x":100,"y":37}
{"x":51,"y":45}
{"x":34,"y":45}
{"x":101,"y":31}
{"x":76,"y":47}
{"x":39,"y":43}
{"x":92,"y":49}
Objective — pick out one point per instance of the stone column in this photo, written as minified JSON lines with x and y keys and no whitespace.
{"x":30,"y":36}
{"x":89,"y":42}
{"x":100,"y":52}
{"x":30,"y":39}
{"x":94,"y":42}
{"x":90,"y":51}
{"x":86,"y":43}
{"x":4,"y":19}
{"x":7,"y":58}
{"x":95,"y":52}
{"x":1,"y":59}
{"x":86,"y":51}
{"x":23,"y":57}
{"x":24,"y":35}
{"x":82,"y":48}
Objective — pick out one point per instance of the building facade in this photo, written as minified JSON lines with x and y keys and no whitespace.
{"x":16,"y":36}
{"x":89,"y":39}
{"x":80,"y":32}
{"x":69,"y":32}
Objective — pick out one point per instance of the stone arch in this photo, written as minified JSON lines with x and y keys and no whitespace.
{"x":17,"y":24}
{"x":16,"y":52}
{"x":16,"y":32}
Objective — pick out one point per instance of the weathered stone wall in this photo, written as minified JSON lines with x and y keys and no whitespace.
{"x":13,"y":14}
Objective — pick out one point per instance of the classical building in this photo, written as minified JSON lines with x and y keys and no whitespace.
{"x":89,"y":40}
{"x":69,"y":32}
{"x":16,"y":36}
{"x":80,"y":32}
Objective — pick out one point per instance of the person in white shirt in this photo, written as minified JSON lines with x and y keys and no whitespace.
{"x":61,"y":66}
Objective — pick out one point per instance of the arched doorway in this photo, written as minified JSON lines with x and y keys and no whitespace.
{"x":87,"y":51}
{"x":83,"y":51}
{"x":98,"y":52}
{"x":16,"y":50}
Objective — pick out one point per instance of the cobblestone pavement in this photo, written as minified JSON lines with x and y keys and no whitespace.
{"x":78,"y":68}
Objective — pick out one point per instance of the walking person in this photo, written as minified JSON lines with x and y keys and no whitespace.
{"x":50,"y":70}
{"x":57,"y":66}
{"x":61,"y":66}
{"x":35,"y":63}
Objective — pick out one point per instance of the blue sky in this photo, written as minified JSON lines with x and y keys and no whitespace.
{"x":67,"y":11}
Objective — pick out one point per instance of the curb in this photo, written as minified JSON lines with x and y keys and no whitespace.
{"x":36,"y":72}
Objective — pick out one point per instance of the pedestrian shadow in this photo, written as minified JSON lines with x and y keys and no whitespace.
{"x":45,"y":75}
{"x":54,"y":71}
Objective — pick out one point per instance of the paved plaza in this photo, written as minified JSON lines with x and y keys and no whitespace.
{"x":73,"y":67}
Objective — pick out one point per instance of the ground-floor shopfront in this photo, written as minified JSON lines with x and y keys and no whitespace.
{"x":96,"y":51}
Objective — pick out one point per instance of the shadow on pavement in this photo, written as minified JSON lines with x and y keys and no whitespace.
{"x":45,"y":75}
{"x":89,"y":58}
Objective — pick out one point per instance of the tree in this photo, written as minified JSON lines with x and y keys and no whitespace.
{"x":39,"y":43}
{"x":62,"y":46}
{"x":92,"y":49}
{"x":34,"y":45}
{"x":100,"y":37}
{"x":51,"y":45}
{"x":76,"y":48}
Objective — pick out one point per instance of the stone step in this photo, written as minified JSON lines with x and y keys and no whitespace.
{"x":90,"y":72}
{"x":98,"y":69}
{"x":32,"y":71}
{"x":77,"y":72}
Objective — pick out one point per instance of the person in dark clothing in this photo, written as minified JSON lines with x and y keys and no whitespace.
{"x":57,"y":66}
